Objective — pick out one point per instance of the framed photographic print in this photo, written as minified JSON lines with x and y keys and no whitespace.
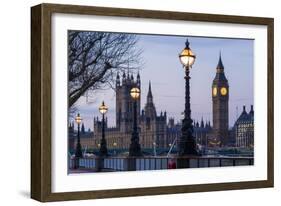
{"x":130,"y":102}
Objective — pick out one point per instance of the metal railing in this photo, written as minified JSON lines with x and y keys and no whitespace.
{"x":155,"y":163}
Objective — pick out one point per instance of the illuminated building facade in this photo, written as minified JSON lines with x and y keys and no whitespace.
{"x":244,"y":129}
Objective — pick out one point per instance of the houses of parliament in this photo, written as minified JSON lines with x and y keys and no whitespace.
{"x":156,"y":129}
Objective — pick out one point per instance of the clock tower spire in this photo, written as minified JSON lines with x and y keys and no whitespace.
{"x":220,"y":98}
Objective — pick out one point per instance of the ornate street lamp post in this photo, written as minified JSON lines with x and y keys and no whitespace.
{"x":103,"y":149}
{"x":187,"y":144}
{"x":78,"y":151}
{"x":135,"y":149}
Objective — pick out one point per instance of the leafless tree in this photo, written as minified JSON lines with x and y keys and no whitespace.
{"x":94,"y":58}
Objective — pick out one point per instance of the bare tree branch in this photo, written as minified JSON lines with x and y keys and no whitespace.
{"x":95,"y":57}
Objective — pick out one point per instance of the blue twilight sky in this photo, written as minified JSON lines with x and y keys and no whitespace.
{"x":162,"y":67}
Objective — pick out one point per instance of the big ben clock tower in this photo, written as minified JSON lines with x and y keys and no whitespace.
{"x":220,"y":97}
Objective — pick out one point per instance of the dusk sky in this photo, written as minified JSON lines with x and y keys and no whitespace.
{"x":163,"y":68}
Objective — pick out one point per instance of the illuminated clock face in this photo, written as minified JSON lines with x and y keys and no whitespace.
{"x":215,"y":91}
{"x":223,"y":91}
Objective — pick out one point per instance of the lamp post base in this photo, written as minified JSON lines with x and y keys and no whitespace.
{"x":135,"y":149}
{"x":103,"y":150}
{"x":188,"y":147}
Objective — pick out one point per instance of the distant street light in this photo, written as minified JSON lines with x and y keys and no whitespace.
{"x":103,"y":148}
{"x":154,"y":148}
{"x":78,"y":151}
{"x":187,"y":144}
{"x":135,"y":149}
{"x":114,"y":145}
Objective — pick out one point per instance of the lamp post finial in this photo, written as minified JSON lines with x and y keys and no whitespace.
{"x":187,"y":43}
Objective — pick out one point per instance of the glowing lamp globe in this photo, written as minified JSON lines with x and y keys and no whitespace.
{"x":103,"y":108}
{"x":78,"y":119}
{"x":135,"y":93}
{"x":187,"y":57}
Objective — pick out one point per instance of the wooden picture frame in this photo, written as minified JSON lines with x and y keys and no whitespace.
{"x":41,"y":97}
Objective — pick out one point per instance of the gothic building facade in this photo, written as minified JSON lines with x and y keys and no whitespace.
{"x":152,"y":126}
{"x":244,"y":129}
{"x":202,"y":132}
